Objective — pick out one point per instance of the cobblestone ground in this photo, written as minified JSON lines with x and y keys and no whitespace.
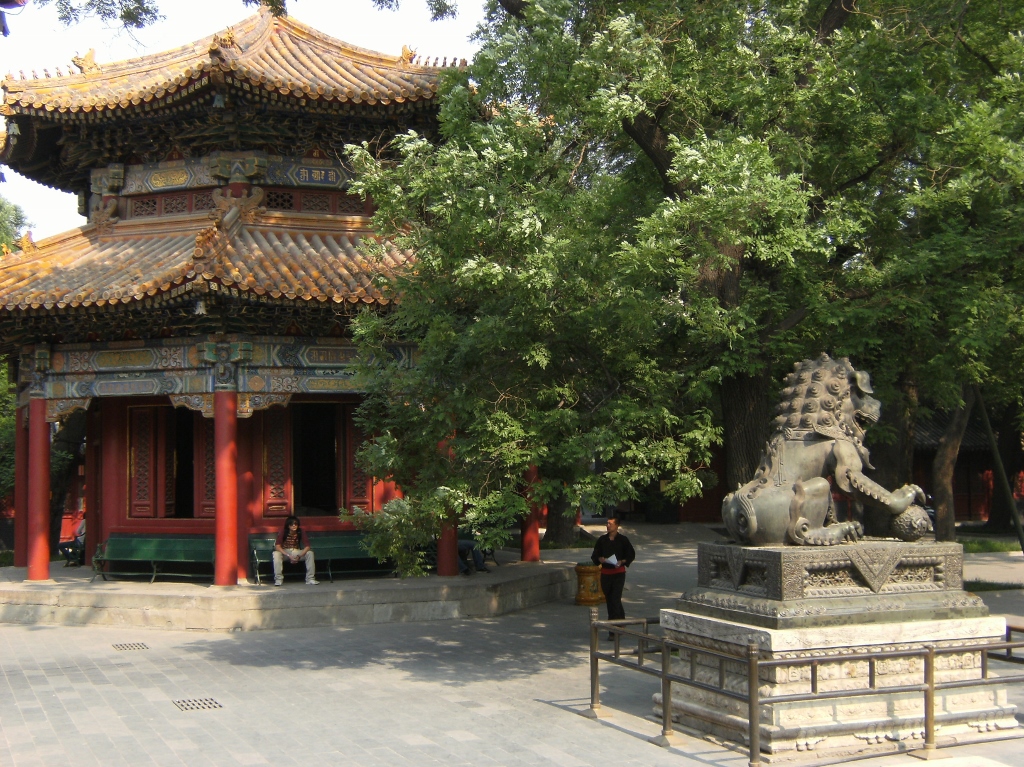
{"x":505,"y":691}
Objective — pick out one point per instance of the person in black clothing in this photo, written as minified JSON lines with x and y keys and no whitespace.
{"x":614,"y":553}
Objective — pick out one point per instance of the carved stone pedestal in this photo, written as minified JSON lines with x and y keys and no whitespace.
{"x":816,"y":604}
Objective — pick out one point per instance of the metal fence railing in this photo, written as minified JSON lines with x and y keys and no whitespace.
{"x":650,"y":645}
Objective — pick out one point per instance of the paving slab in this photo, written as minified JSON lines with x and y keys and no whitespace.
{"x":505,"y":690}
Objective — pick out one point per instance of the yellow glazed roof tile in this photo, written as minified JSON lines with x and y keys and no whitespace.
{"x":275,"y":54}
{"x":309,"y":258}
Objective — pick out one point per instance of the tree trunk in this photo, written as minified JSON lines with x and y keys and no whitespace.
{"x":943,"y":465}
{"x":1011,"y":452}
{"x":746,"y":420}
{"x":561,"y":524}
{"x":68,"y":439}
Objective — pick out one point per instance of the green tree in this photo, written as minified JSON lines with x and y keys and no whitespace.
{"x":754,"y":182}
{"x":133,"y":14}
{"x":12,"y":224}
{"x":537,"y":343}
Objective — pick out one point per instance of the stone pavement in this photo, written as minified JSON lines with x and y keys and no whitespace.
{"x":495,"y":691}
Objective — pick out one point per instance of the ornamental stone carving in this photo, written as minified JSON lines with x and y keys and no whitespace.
{"x":819,"y":432}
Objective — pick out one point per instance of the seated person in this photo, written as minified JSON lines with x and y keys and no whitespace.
{"x":467,"y":549}
{"x":74,"y":549}
{"x":292,"y":543}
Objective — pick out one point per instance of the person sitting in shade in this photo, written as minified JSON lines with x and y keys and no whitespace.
{"x":467,"y":549}
{"x":293,"y":545}
{"x":74,"y":549}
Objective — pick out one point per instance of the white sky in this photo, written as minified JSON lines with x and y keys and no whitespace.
{"x":38,"y":40}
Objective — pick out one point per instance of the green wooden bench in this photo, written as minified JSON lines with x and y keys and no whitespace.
{"x":154,"y":550}
{"x":328,"y":548}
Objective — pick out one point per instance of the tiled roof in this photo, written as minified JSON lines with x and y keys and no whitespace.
{"x":294,"y":256}
{"x":267,"y":53}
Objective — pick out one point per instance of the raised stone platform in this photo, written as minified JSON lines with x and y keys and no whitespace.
{"x":70,"y":599}
{"x":892,"y":721}
{"x":816,"y":604}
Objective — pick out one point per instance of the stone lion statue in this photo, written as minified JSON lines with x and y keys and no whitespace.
{"x":819,"y":433}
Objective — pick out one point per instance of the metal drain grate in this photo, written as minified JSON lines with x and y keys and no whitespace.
{"x":131,"y":646}
{"x":197,"y":704}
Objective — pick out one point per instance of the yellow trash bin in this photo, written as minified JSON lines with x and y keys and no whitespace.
{"x":588,"y":584}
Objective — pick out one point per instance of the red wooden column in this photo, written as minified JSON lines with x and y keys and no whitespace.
{"x":448,"y":548}
{"x":38,"y":492}
{"x":21,"y":488}
{"x":225,"y":439}
{"x":246,"y":497}
{"x":529,"y":526}
{"x":93,"y":494}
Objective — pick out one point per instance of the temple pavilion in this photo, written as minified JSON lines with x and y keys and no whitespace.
{"x":201,"y":316}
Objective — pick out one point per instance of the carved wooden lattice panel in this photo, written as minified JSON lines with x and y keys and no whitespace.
{"x":170,"y":460}
{"x":360,"y":484}
{"x":141,"y":465}
{"x":175,"y":204}
{"x":277,"y":463}
{"x":340,"y":456}
{"x":280,"y":200}
{"x":316,"y":203}
{"x":350,"y":204}
{"x":206,"y":468}
{"x":143,"y":207}
{"x":202,"y":201}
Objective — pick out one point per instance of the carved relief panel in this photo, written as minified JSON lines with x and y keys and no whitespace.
{"x":277,"y":463}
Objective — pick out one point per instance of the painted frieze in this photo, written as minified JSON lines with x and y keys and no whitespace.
{"x":265,"y":371}
{"x":216,"y":168}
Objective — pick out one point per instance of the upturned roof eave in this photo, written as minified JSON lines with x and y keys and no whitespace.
{"x":236,"y":50}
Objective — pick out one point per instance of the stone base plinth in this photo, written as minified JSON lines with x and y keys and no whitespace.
{"x":892,"y":721}
{"x":782,"y":587}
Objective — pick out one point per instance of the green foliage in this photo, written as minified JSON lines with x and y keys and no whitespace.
{"x":439,"y":9}
{"x":989,"y":545}
{"x":534,"y":348}
{"x":976,"y":586}
{"x":635,"y":202}
{"x":7,"y":429}
{"x":399,"y":533}
{"x":12,"y":222}
{"x":133,"y":14}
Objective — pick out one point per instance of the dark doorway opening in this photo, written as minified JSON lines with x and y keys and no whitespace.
{"x":314,"y":464}
{"x":184,"y":463}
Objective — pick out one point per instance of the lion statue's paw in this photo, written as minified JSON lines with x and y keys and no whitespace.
{"x":833,"y":534}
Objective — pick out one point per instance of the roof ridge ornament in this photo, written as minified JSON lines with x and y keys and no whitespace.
{"x":225,"y":39}
{"x":248,"y":206}
{"x":103,"y":217}
{"x":25,"y":243}
{"x":87,"y":63}
{"x":230,"y":212}
{"x":408,"y":54}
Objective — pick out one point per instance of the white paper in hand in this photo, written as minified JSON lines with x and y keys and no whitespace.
{"x":612,"y":560}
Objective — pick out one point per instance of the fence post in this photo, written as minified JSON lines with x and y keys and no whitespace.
{"x":594,"y":712}
{"x":665,"y":739}
{"x":929,"y":698}
{"x":754,"y":710}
